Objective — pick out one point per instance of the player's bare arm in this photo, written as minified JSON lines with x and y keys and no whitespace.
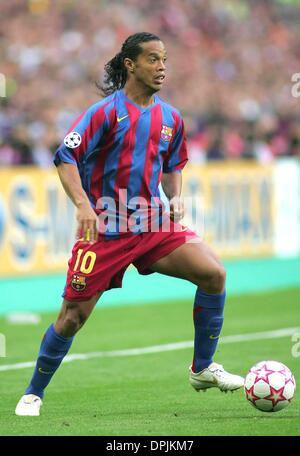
{"x":172,"y":184}
{"x":86,"y":217}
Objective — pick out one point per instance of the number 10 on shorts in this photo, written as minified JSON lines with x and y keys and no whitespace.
{"x":86,"y":263}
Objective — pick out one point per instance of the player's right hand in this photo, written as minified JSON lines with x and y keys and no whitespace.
{"x":176,"y":208}
{"x":86,"y":224}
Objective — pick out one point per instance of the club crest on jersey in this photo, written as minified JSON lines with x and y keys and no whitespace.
{"x":78,"y":282}
{"x":166,"y":133}
{"x":72,"y":140}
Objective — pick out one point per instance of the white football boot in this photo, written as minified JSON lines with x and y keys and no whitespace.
{"x":214,"y":376}
{"x":29,"y":405}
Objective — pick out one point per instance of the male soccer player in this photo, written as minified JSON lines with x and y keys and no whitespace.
{"x":119,"y":151}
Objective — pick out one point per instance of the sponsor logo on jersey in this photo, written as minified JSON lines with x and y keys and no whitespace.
{"x":119,"y":119}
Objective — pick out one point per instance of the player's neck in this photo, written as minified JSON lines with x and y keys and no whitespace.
{"x":138,"y":95}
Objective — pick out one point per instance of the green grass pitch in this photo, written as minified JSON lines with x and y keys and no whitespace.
{"x":149,"y":394}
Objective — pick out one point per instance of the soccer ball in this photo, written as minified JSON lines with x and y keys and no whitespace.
{"x":269,"y":386}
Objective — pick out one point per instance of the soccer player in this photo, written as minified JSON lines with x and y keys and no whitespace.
{"x":117,"y":153}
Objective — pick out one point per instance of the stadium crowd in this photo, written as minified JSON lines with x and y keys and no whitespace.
{"x":229,"y":71}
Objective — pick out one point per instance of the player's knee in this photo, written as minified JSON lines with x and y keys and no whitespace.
{"x":218,"y":279}
{"x":73,"y":321}
{"x":70,"y":325}
{"x":215,"y":282}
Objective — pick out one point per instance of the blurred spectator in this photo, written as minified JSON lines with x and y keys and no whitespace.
{"x":230,"y":66}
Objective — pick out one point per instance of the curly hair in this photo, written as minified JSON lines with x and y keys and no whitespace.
{"x":115,"y":73}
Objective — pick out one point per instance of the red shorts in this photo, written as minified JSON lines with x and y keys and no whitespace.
{"x":101,"y":266}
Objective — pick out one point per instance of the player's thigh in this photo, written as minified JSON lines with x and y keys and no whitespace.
{"x":190,"y":261}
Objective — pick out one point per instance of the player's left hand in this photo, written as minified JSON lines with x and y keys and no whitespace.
{"x":176,"y":208}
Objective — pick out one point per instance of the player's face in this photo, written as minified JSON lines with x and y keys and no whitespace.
{"x":149,"y":67}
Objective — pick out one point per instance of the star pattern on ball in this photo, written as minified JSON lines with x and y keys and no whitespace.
{"x":289,"y":379}
{"x":288,"y":376}
{"x":250,"y":394}
{"x":262,"y":373}
{"x":286,"y":373}
{"x":276,"y":395}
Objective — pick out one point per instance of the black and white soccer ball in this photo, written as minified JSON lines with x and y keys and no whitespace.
{"x":72,"y":140}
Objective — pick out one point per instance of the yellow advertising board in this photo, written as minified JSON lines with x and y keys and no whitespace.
{"x":233,"y":203}
{"x":236,"y":207}
{"x":36,"y":222}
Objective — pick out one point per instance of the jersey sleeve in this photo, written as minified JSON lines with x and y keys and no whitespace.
{"x":177,"y":156}
{"x":83,"y":136}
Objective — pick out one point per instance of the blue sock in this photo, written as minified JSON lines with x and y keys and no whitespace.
{"x":208,"y":321}
{"x":52,"y":351}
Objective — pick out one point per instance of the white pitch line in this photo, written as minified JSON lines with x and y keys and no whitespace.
{"x":161,"y":348}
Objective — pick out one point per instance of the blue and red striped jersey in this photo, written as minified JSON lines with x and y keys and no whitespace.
{"x":117,"y":144}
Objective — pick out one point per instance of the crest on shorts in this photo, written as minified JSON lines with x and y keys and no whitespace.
{"x":78,"y":282}
{"x":166,"y":133}
{"x":72,"y":140}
